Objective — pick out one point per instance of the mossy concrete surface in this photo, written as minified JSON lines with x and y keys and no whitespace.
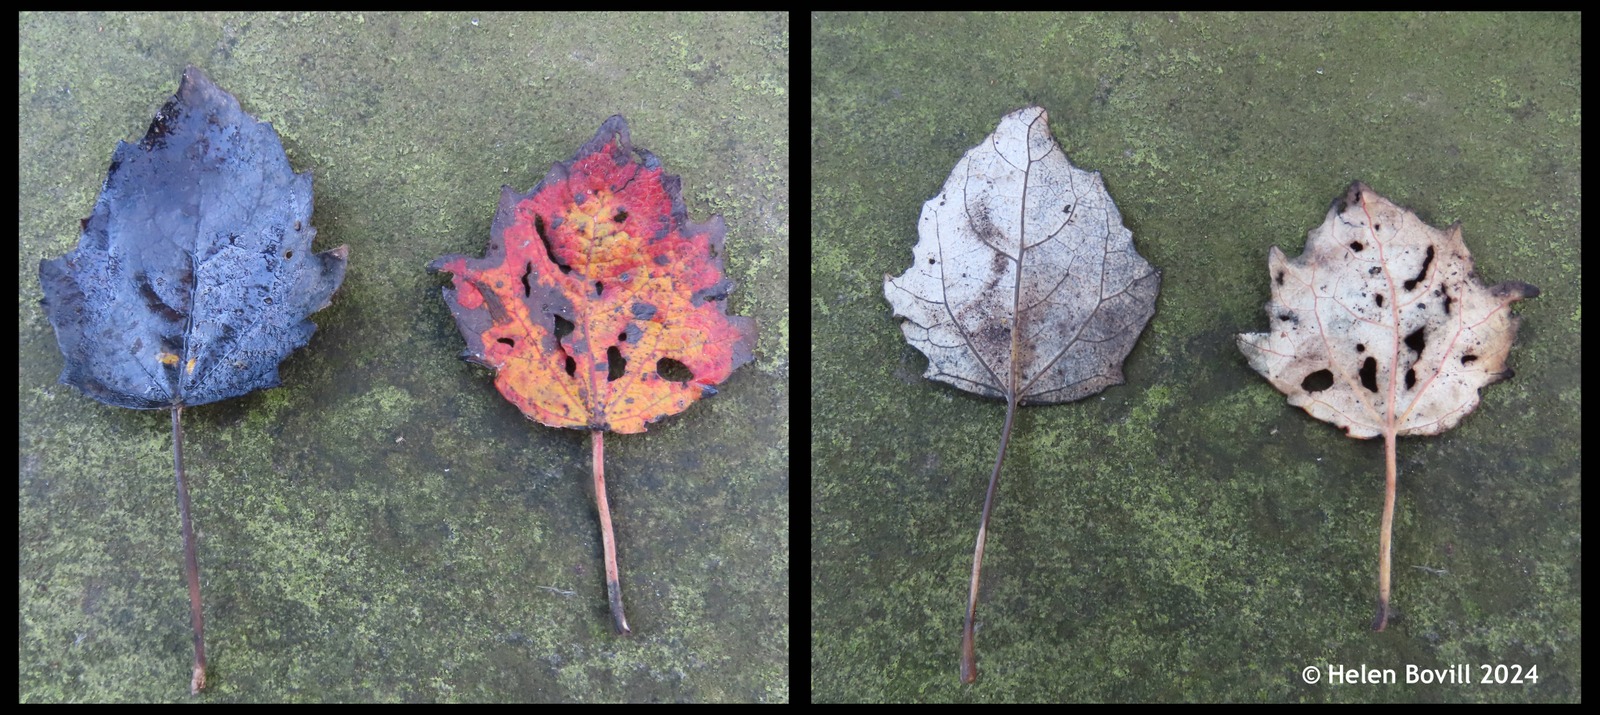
{"x":1189,"y":535}
{"x":385,"y":527}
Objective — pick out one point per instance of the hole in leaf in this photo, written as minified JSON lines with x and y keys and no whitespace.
{"x":563,"y":327}
{"x":288,"y":254}
{"x":930,"y":261}
{"x":1369,"y":374}
{"x":598,"y":288}
{"x":1280,"y":277}
{"x":1378,"y":297}
{"x":1411,"y":378}
{"x":527,"y":286}
{"x":1468,"y":359}
{"x":1356,"y":246}
{"x":1415,"y":341}
{"x":673,"y":370}
{"x":1377,"y":227}
{"x":615,"y":365}
{"x":1317,"y":381}
{"x":506,"y":341}
{"x":544,"y":238}
{"x":572,"y":366}
{"x":1361,"y":347}
{"x":621,"y":216}
{"x":622,"y":337}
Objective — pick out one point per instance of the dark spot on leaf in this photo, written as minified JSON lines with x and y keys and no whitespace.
{"x":1427,"y":260}
{"x":716,"y":291}
{"x":643,"y":311}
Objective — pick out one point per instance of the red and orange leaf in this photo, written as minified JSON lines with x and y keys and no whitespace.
{"x":599,"y":304}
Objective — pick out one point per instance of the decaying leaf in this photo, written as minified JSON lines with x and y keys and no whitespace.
{"x":1024,"y":286}
{"x":599,"y":305}
{"x":1382,"y":327}
{"x":194,"y":276}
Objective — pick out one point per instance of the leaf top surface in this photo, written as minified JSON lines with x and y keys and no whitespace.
{"x":599,"y":304}
{"x":194,"y":275}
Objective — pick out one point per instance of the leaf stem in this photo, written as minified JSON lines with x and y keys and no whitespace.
{"x":191,"y":565}
{"x":613,"y":581}
{"x":1382,"y":618}
{"x":969,"y":654}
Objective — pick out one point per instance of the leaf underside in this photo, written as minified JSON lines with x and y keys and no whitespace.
{"x":194,"y":275}
{"x":1024,"y":280}
{"x":599,"y":304}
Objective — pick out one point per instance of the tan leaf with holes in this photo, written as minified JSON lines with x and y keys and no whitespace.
{"x":1383,"y":328}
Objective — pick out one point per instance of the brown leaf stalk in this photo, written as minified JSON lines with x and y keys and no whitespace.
{"x":191,"y":565}
{"x":969,"y":654}
{"x":613,"y":581}
{"x":1382,"y":618}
